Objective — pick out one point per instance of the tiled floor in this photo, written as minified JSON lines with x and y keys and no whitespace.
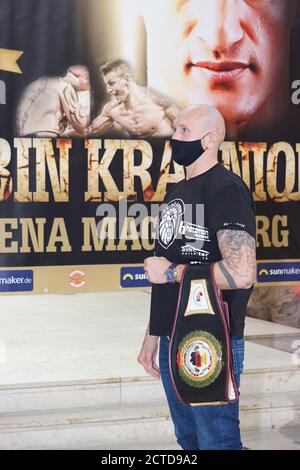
{"x":274,"y":439}
{"x":92,"y":336}
{"x":58,"y":338}
{"x":283,"y":439}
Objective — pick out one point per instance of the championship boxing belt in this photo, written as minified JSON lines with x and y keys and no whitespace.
{"x":200,"y":356}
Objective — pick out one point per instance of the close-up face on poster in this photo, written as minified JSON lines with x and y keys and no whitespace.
{"x":89,"y":92}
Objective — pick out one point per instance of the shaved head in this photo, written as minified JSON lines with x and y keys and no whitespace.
{"x":79,"y":77}
{"x":212,"y":117}
{"x":199,"y":120}
{"x":203,"y":127}
{"x":78,"y":70}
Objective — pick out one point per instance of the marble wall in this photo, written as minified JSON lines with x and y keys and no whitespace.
{"x":277,"y":304}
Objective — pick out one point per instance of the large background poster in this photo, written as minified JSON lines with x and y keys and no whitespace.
{"x":89,"y":90}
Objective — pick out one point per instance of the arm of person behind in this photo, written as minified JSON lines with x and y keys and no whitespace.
{"x":103,"y":122}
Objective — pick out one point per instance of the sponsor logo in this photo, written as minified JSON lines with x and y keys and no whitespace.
{"x":168,"y":222}
{"x":237,"y":224}
{"x":133,"y":276}
{"x":278,"y":271}
{"x":199,"y":359}
{"x":189,"y":250}
{"x":16,"y":281}
{"x":196,"y":232}
{"x":77,"y":278}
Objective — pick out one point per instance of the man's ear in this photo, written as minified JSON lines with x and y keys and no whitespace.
{"x":210,"y":140}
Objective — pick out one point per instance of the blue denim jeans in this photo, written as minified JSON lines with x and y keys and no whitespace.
{"x":204,"y":427}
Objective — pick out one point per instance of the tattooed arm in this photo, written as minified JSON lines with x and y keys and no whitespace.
{"x":76,"y":106}
{"x":237,"y":269}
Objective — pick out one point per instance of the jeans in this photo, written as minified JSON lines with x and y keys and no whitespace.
{"x":204,"y":427}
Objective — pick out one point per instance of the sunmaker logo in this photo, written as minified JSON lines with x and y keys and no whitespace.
{"x":278,"y":271}
{"x":17,"y":280}
{"x":134,"y":276}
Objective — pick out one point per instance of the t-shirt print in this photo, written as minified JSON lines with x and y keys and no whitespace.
{"x":170,"y":217}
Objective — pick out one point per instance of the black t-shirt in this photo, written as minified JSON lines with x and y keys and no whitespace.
{"x":193,"y":212}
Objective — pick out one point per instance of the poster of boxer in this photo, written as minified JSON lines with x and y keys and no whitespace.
{"x":89,"y":90}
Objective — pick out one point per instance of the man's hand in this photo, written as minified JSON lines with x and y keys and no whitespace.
{"x":155,"y":268}
{"x":147,"y":355}
{"x":100,"y":125}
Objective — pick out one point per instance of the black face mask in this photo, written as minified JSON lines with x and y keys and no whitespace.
{"x":186,"y":152}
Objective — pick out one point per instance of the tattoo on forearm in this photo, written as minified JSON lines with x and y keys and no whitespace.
{"x":239,"y":254}
{"x":229,"y":278}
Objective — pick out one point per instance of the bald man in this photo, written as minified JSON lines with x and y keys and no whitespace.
{"x":207,"y":217}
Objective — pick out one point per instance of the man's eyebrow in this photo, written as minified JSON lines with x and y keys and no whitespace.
{"x":181,"y":124}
